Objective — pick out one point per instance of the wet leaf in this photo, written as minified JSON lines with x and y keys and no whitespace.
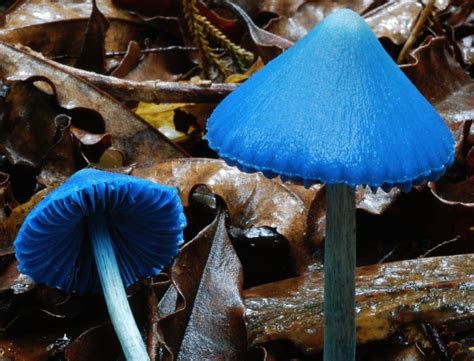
{"x":64,"y":25}
{"x":252,"y":199}
{"x":436,"y":290}
{"x":7,"y":203}
{"x":27,"y":130}
{"x":209,"y":287}
{"x":19,"y":213}
{"x":9,"y":276}
{"x":33,"y":347}
{"x":92,"y":55}
{"x":97,"y":343}
{"x":161,"y":116}
{"x":394,"y":19}
{"x":129,"y":61}
{"x":461,"y":193}
{"x":451,"y":91}
{"x":166,"y":65}
{"x":138,"y":141}
{"x":111,"y":158}
{"x":264,"y":43}
{"x":298,"y":17}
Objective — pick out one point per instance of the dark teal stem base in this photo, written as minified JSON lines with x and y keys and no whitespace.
{"x":114,"y":290}
{"x":339,"y":274}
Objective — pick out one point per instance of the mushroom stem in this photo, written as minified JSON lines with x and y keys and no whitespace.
{"x":339,"y":274}
{"x":114,"y":290}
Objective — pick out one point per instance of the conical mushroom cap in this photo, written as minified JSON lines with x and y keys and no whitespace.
{"x":333,"y":108}
{"x":145,"y":221}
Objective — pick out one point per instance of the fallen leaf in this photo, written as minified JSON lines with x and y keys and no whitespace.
{"x":298,"y":17}
{"x":129,"y":61}
{"x":97,"y":343}
{"x":161,"y":64}
{"x":19,"y":213}
{"x":435,"y":290}
{"x":209,"y":288}
{"x":111,"y":158}
{"x":461,"y":193}
{"x":32,"y":347}
{"x":28,"y":128}
{"x":255,"y":201}
{"x":394,"y":20}
{"x":7,"y":203}
{"x":161,"y":116}
{"x":138,"y":141}
{"x":252,"y":199}
{"x":451,"y":91}
{"x":64,"y":24}
{"x":92,"y":54}
{"x":266,"y":44}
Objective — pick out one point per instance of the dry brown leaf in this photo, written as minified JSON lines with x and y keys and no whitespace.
{"x":63,"y":23}
{"x":451,"y":91}
{"x":92,"y":55}
{"x":138,"y":141}
{"x":208,"y":277}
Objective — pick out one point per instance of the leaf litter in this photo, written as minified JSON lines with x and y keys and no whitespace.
{"x":252,"y":260}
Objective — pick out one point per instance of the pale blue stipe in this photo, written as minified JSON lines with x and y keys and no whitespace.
{"x":333,"y":108}
{"x":106,"y":226}
{"x":114,"y":291}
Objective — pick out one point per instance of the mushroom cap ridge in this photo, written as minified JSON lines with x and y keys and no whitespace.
{"x":146,"y":223}
{"x":334,"y":108}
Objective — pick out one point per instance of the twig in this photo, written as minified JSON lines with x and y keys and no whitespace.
{"x":439,"y":246}
{"x":416,"y":31}
{"x":437,"y":341}
{"x":112,"y":54}
{"x":154,"y":91}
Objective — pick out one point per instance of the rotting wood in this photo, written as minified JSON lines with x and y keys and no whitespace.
{"x":436,"y":290}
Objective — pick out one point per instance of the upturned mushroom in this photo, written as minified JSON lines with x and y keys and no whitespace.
{"x":106,"y":227}
{"x":335,"y":109}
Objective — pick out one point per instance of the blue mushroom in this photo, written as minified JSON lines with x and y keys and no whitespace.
{"x":103,"y":228}
{"x":335,"y":109}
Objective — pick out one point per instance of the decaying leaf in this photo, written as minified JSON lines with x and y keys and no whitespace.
{"x":264,"y":43}
{"x":298,"y":17}
{"x":138,"y":141}
{"x":64,"y":25}
{"x":98,"y":342}
{"x":451,"y":91}
{"x":19,"y":213}
{"x":209,"y":287}
{"x":92,"y":55}
{"x":28,"y":128}
{"x":252,"y":199}
{"x":436,"y":290}
{"x":394,"y":19}
{"x":161,"y":116}
{"x":7,"y":203}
